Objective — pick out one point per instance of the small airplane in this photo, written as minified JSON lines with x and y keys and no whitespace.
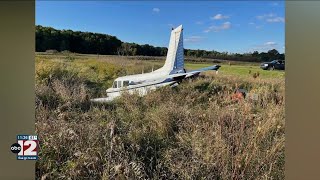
{"x":172,"y":73}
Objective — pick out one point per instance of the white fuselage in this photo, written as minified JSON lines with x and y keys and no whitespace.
{"x":140,"y":83}
{"x":172,"y":72}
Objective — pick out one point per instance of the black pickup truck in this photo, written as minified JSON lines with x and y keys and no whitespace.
{"x":275,"y":64}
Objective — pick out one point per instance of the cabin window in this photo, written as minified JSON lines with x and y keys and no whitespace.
{"x":125,"y":83}
{"x":114,"y":84}
{"x":119,"y":84}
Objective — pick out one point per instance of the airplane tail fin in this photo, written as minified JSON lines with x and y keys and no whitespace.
{"x":175,"y":57}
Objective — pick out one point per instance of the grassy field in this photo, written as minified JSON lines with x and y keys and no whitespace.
{"x":197,"y":130}
{"x":240,"y":70}
{"x":244,"y":69}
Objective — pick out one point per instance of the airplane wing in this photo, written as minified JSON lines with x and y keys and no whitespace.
{"x":198,"y":71}
{"x":177,"y":77}
{"x":215,"y":68}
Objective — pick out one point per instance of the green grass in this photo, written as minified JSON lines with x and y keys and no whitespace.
{"x":239,"y":70}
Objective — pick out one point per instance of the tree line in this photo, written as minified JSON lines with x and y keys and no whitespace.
{"x":48,"y":38}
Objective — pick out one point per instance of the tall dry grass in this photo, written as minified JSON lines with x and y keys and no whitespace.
{"x":193,"y":131}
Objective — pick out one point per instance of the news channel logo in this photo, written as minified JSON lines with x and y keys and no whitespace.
{"x":26,"y":147}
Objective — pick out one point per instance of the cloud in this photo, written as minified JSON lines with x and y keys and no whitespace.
{"x":224,"y":26}
{"x":255,"y":25}
{"x":264,"y":16}
{"x":271,"y":18}
{"x":275,"y":19}
{"x":265,"y":46}
{"x":270,"y":43}
{"x":219,"y":17}
{"x":193,"y":39}
{"x":199,"y":22}
{"x":156,"y":10}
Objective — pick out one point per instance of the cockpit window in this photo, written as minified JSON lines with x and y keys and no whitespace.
{"x":118,"y":84}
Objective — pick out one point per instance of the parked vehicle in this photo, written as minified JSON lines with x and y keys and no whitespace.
{"x":275,"y":64}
